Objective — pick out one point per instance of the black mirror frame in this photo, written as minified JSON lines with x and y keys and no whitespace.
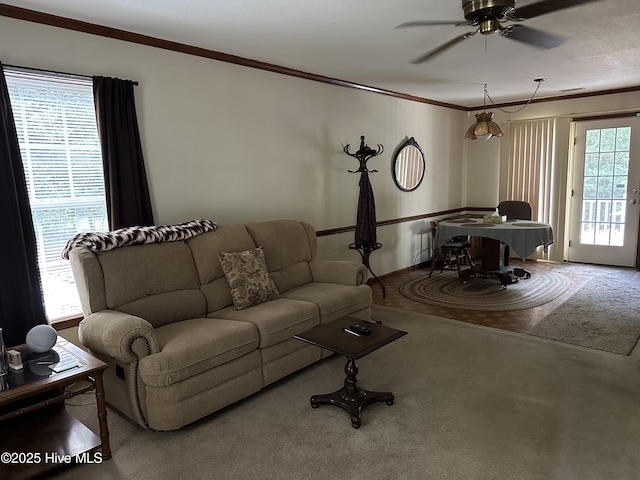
{"x":409,"y":143}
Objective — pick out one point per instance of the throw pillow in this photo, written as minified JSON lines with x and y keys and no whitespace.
{"x":248,"y":278}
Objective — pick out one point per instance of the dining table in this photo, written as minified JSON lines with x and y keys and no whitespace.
{"x":522,"y":236}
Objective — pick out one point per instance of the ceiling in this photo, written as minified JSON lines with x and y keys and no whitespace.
{"x":355,"y":41}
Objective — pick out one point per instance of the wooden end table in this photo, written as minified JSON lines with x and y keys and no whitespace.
{"x":331,"y":336}
{"x":36,"y":432}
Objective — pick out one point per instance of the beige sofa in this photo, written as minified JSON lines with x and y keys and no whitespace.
{"x":161,"y":315}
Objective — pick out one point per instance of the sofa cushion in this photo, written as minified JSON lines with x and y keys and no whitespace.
{"x":193,"y":346}
{"x":136,"y":271}
{"x":217,"y":294}
{"x":291,"y":276}
{"x":277,"y":320}
{"x":286,"y":243}
{"x":205,"y":249}
{"x":333,"y":300}
{"x":248,"y":278}
{"x":169,"y":307}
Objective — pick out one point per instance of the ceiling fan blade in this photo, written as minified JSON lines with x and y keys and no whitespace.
{"x":547,"y":6}
{"x":425,"y":23}
{"x":443,"y":47}
{"x":532,"y":36}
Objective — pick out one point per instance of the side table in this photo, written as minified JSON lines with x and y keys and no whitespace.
{"x":331,"y":336}
{"x":36,"y":432}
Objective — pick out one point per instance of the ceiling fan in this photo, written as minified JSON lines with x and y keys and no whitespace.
{"x":491,"y":16}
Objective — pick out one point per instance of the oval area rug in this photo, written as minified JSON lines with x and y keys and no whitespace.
{"x":486,"y":294}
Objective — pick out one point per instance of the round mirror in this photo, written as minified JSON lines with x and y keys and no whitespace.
{"x":408,"y":166}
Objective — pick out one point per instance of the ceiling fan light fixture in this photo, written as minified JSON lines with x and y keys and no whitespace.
{"x":489,"y":26}
{"x":476,"y":10}
{"x":490,"y":16}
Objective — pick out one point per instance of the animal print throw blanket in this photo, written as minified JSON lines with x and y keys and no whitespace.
{"x":100,"y":242}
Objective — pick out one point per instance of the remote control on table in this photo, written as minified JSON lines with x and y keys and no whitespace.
{"x":358,"y":330}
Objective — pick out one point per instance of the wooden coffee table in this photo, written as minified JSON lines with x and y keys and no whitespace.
{"x":332,"y":337}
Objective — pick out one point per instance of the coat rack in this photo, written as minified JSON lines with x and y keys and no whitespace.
{"x":363,"y":155}
{"x":366,"y":241}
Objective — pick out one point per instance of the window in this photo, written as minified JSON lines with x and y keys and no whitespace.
{"x":604,"y":193}
{"x":60,"y":149}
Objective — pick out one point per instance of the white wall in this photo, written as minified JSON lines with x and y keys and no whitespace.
{"x":236,"y":144}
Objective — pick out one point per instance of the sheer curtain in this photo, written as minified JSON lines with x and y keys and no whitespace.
{"x":531,"y":171}
{"x":21,"y":304}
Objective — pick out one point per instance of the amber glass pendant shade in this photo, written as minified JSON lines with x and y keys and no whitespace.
{"x":484,"y":127}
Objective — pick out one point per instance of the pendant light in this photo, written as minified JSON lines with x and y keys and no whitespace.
{"x":485,"y":127}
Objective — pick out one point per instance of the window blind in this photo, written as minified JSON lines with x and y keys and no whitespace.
{"x":56,"y":126}
{"x":530,"y":170}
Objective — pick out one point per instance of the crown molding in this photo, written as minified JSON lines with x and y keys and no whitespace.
{"x":109,"y":32}
{"x":558,"y":98}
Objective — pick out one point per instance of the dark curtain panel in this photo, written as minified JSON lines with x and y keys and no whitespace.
{"x":21,"y":305}
{"x":127,"y":192}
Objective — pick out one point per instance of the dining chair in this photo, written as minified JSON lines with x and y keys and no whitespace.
{"x":514,"y":210}
{"x":455,"y":251}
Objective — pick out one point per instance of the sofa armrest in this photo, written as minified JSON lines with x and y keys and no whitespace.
{"x":119,"y":335}
{"x":339,"y":271}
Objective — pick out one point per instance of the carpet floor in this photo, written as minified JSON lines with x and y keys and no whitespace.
{"x":471,"y":403}
{"x":603,"y":314}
